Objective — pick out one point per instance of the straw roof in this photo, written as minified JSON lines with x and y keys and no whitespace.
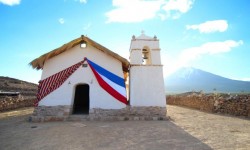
{"x":39,"y":62}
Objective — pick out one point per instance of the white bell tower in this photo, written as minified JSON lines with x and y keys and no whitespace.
{"x":146,"y":72}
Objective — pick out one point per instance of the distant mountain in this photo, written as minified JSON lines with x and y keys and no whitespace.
{"x":191,"y":79}
{"x":8,"y":84}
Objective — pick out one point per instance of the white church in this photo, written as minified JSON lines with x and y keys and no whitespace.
{"x":84,"y":78}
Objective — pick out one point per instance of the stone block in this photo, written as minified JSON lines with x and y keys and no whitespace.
{"x":37,"y":119}
{"x":141,"y":118}
{"x":136,"y":118}
{"x":155,"y":118}
{"x":121,"y":118}
{"x":61,"y":113}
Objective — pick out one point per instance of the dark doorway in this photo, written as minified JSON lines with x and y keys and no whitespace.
{"x":81,"y":100}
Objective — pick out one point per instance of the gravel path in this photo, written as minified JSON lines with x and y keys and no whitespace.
{"x":189,"y":129}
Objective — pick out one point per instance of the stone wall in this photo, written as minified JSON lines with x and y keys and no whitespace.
{"x":14,"y":102}
{"x":238,"y":105}
{"x":63,"y":113}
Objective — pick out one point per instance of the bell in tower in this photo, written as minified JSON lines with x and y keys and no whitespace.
{"x":146,"y":57}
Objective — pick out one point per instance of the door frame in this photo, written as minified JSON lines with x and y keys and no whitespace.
{"x":73,"y":97}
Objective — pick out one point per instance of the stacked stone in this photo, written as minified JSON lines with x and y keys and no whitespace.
{"x":62,"y":113}
{"x":50,"y":113}
{"x":193,"y":100}
{"x":238,"y":105}
{"x":130,"y":113}
{"x":234,"y":105}
{"x":14,"y":102}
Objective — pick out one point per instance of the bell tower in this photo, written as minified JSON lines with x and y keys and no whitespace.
{"x":146,"y":72}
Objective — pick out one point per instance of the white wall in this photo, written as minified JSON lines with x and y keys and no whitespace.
{"x":155,"y":57}
{"x":64,"y":95}
{"x":139,"y":44}
{"x":136,"y":51}
{"x":146,"y":81}
{"x":136,"y":56}
{"x":147,"y":86}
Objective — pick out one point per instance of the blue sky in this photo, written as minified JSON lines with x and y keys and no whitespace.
{"x":212,"y":35}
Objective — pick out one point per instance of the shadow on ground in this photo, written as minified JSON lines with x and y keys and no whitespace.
{"x":17,"y":133}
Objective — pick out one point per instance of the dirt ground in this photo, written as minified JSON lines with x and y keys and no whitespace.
{"x":217,"y":131}
{"x":187,"y":129}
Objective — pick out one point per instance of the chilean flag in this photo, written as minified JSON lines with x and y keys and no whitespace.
{"x":110,"y":82}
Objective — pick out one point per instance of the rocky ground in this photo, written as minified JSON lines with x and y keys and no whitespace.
{"x":8,"y":84}
{"x":27,"y":93}
{"x":217,"y":131}
{"x":187,"y":129}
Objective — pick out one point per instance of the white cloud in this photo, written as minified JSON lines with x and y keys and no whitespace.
{"x":181,"y":6}
{"x":83,"y":1}
{"x":210,"y":48}
{"x":210,"y":26}
{"x":126,"y":11}
{"x":215,"y":47}
{"x":61,"y":20}
{"x":133,"y":11}
{"x":242,"y":79}
{"x":245,"y":79}
{"x":10,"y":2}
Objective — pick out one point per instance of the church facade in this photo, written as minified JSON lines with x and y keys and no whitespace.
{"x":84,"y":78}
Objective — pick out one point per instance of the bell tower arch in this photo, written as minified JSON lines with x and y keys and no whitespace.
{"x":146,"y":72}
{"x":146,"y":56}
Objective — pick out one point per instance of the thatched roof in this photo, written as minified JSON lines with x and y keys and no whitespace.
{"x":39,"y":62}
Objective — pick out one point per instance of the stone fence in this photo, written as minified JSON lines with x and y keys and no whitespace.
{"x":237,"y":105}
{"x":14,"y":102}
{"x":63,"y":113}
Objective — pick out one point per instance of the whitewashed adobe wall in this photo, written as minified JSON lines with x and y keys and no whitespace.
{"x":136,"y":50}
{"x":64,"y":95}
{"x":147,"y":88}
{"x":146,"y":80}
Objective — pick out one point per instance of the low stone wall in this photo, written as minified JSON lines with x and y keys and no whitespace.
{"x":50,"y":113}
{"x":14,"y":102}
{"x":238,"y":105}
{"x":62,"y":113}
